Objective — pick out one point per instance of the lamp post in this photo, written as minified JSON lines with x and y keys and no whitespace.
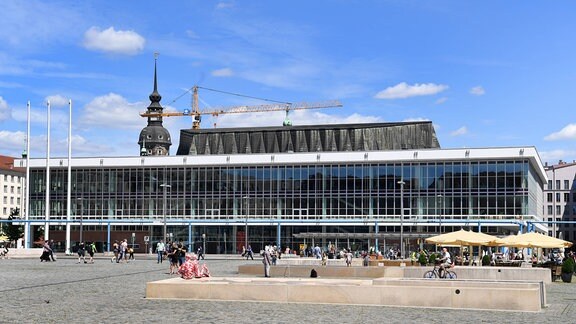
{"x":440,"y":198}
{"x":401,"y":183}
{"x":164,"y":186}
{"x":246,"y":222}
{"x":80,"y":199}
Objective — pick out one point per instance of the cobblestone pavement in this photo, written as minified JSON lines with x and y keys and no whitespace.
{"x":105,"y":292}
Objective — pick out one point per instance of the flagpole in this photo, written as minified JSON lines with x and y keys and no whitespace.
{"x":47,"y":216}
{"x":27,"y":183}
{"x":69,"y":195}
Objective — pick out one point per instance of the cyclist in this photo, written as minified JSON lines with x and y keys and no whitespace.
{"x":445,"y":262}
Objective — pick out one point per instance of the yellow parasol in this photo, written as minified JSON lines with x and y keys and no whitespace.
{"x":533,"y":240}
{"x":463,"y":237}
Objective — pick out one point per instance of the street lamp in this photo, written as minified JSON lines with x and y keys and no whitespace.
{"x":246,"y":222}
{"x":164,"y":186}
{"x":81,"y":216}
{"x":440,"y":198}
{"x":401,"y":183}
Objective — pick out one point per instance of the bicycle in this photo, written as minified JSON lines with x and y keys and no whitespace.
{"x":435,"y":273}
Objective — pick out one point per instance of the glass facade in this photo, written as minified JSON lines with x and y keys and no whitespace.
{"x":292,"y":198}
{"x":352,"y":191}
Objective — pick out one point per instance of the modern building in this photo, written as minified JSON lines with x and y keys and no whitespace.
{"x":351,"y":198}
{"x":356,"y":186}
{"x":560,"y":200}
{"x":11,"y":184}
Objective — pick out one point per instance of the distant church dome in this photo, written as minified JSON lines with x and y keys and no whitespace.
{"x":154,"y":139}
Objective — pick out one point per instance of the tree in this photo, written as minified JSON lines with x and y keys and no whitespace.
{"x":14,"y":232}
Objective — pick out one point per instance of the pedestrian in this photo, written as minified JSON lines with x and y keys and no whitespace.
{"x":4,"y":252}
{"x":173,"y":258}
{"x":348,"y":256}
{"x":160,"y":249}
{"x":243,"y":251}
{"x":81,"y":252}
{"x":200,"y":253}
{"x":52,"y":256}
{"x":267,"y":261}
{"x":122,"y":251}
{"x":131,"y":253}
{"x":115,"y":250}
{"x":181,"y":253}
{"x":249,"y":253}
{"x":45,"y":252}
{"x":91,"y":251}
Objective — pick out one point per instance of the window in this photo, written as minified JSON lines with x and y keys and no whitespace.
{"x":549,"y":197}
{"x":558,"y":212}
{"x":557,"y":184}
{"x":5,"y":189}
{"x":557,"y":197}
{"x":550,"y":185}
{"x":566,"y":184}
{"x":566,"y":197}
{"x":550,"y":210}
{"x":5,"y":200}
{"x":11,"y":200}
{"x":11,"y":189}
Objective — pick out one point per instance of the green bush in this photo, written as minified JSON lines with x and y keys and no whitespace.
{"x":568,"y":265}
{"x":432,"y":258}
{"x":486,"y":259}
{"x":422,"y":259}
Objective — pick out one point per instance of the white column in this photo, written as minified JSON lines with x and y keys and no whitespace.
{"x":69,"y":194}
{"x":27,"y":181}
{"x":47,"y":216}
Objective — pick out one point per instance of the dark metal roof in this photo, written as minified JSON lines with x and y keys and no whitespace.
{"x":309,"y":138}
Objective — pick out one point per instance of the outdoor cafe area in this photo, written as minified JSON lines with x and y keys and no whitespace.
{"x":522,"y":250}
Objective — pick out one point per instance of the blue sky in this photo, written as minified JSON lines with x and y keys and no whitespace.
{"x":487,"y":73}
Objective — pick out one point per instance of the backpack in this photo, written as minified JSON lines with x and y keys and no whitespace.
{"x":313,"y":274}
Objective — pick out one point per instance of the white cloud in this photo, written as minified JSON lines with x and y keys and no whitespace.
{"x":403,"y":90}
{"x":460,"y":131}
{"x":477,"y":91}
{"x":568,"y":132}
{"x":276,"y":118}
{"x":441,"y":100}
{"x":224,"y":5}
{"x":555,"y":155}
{"x":192,"y":34}
{"x":225,"y":72}
{"x":57,"y":101}
{"x":13,"y":143}
{"x":113,"y":111}
{"x":111,"y":41}
{"x":5,"y":111}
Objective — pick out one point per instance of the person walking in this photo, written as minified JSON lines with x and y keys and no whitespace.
{"x":160,"y":248}
{"x":200,"y":253}
{"x":45,"y":252}
{"x":122,"y":250}
{"x":51,"y":245}
{"x":91,"y":251}
{"x":267,"y":261}
{"x":116,"y":250}
{"x":81,"y":252}
{"x":249,"y":253}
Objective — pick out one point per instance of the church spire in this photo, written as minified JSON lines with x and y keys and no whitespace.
{"x":155,"y":97}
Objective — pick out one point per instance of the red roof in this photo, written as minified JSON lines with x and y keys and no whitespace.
{"x":7,"y":163}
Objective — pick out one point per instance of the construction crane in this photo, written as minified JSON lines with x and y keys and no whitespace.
{"x":196,"y":113}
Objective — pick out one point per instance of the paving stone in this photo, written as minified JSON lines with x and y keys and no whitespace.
{"x":105,"y":292}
